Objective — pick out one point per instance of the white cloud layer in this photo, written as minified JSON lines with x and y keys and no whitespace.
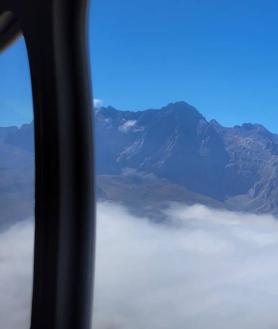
{"x":206,"y":269}
{"x":16,"y":265}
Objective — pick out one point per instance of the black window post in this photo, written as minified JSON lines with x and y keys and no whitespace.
{"x":56,"y":37}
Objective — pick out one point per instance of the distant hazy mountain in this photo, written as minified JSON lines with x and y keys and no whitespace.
{"x":146,"y":159}
{"x":16,"y":177}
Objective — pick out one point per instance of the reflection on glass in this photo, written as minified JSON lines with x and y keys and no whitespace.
{"x":187,"y":179}
{"x":16,"y":189}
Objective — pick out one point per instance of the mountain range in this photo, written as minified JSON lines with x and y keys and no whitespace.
{"x":147,"y":159}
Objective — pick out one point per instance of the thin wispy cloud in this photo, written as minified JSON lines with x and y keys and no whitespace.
{"x":97,"y":103}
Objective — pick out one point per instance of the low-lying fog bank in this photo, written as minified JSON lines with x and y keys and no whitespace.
{"x":207,"y":269}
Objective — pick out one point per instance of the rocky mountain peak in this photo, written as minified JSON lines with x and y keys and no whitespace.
{"x":177,"y":143}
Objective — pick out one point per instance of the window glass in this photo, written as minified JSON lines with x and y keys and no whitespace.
{"x":186,"y":161}
{"x":16,"y":188}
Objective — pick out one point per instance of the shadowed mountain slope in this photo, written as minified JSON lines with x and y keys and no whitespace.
{"x":148,"y":158}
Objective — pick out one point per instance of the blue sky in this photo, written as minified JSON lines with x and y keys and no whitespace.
{"x":220,"y":56}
